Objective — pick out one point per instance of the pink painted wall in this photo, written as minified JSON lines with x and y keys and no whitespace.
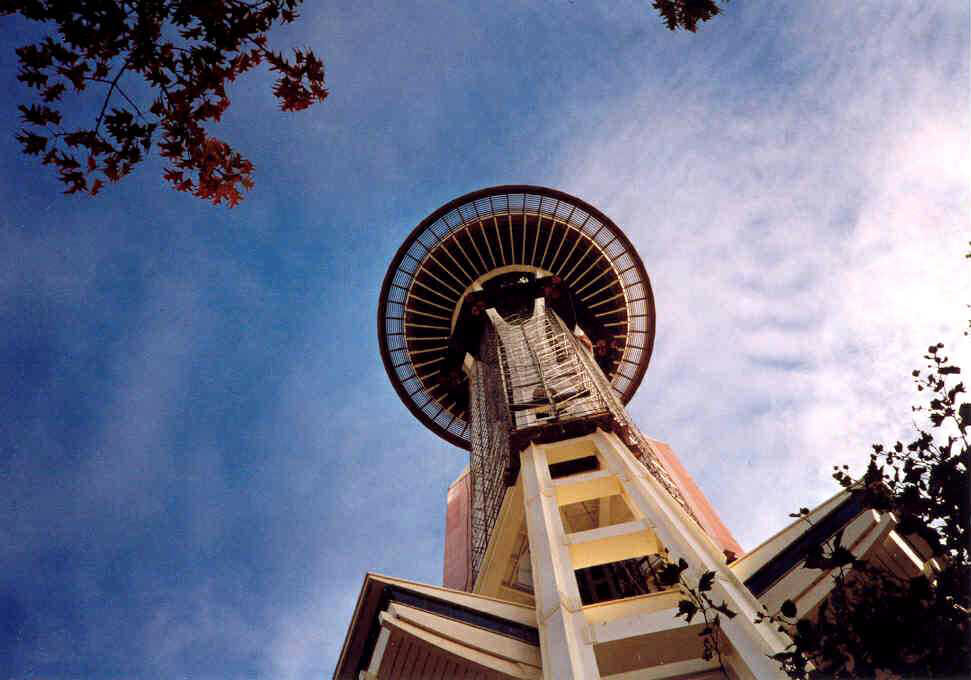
{"x":703,"y":510}
{"x":458,"y":536}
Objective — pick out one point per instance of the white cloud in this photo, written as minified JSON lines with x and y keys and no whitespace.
{"x":804,"y":249}
{"x":786,"y":220}
{"x":306,"y":638}
{"x":179,"y":624}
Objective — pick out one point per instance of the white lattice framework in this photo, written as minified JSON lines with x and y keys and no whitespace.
{"x":534,"y":373}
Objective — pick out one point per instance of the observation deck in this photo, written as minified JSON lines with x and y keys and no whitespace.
{"x":483,"y":250}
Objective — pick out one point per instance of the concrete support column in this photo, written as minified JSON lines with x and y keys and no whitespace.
{"x":565,"y":643}
{"x":683,"y":538}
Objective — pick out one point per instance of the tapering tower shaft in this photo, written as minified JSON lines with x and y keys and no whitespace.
{"x":602,"y":514}
{"x":535,"y":380}
{"x":517,"y":322}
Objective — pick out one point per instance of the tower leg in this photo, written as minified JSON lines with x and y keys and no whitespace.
{"x":565,"y":643}
{"x":752,"y":643}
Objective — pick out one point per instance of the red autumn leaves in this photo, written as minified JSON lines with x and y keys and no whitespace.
{"x":186,"y":54}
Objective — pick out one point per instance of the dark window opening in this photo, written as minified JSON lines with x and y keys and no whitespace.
{"x":574,"y":467}
{"x":616,"y":580}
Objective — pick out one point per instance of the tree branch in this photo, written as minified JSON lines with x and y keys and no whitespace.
{"x":111,"y":90}
{"x":121,"y":92}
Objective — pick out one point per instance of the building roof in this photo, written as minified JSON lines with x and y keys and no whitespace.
{"x":435,"y":632}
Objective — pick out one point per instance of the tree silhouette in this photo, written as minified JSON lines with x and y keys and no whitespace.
{"x":874,"y":623}
{"x":686,"y":13}
{"x":186,"y":52}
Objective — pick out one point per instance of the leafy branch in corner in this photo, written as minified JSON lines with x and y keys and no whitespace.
{"x":876,"y":622}
{"x":185,"y":53}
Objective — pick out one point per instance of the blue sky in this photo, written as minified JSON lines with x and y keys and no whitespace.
{"x":200,"y":454}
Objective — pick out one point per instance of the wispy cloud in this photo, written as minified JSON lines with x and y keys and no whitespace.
{"x":200,"y":455}
{"x":806,"y":243}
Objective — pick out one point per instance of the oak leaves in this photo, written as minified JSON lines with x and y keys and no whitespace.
{"x":185,"y":53}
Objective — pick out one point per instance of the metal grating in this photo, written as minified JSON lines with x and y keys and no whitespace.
{"x":489,"y":458}
{"x":529,"y":374}
{"x":534,"y":373}
{"x":545,"y":381}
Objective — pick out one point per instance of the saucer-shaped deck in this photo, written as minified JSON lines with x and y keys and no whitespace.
{"x":492,"y":232}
